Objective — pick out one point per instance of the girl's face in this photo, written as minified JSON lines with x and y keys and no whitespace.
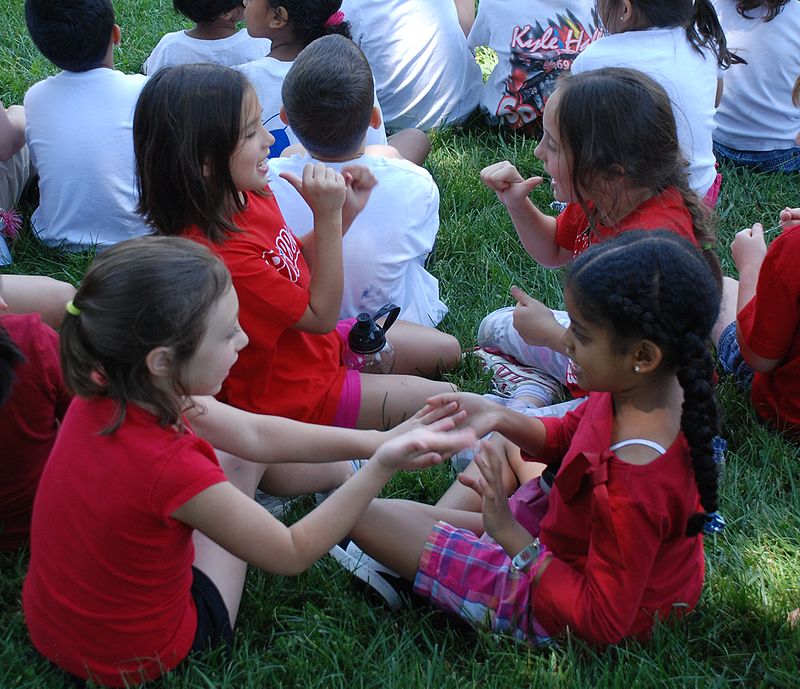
{"x":249,"y":161}
{"x":219,"y":348}
{"x":257,"y":15}
{"x":554,"y":154}
{"x":597,"y":363}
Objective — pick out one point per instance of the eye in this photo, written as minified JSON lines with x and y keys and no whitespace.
{"x":578,"y":335}
{"x":236,"y":330}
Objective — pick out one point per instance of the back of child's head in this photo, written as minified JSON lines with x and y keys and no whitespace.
{"x":772,"y":8}
{"x":655,"y":285}
{"x":186,"y":127}
{"x":698,"y":17}
{"x":136,"y":296}
{"x":618,"y":123}
{"x":73,"y":34}
{"x":204,"y":11}
{"x":312,"y":19}
{"x":328,"y":96}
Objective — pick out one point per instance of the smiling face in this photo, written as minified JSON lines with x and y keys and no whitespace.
{"x":219,"y":347}
{"x":555,"y":155}
{"x":248,"y":163}
{"x":598,"y":363}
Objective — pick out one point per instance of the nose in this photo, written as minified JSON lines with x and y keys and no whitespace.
{"x":242,"y":341}
{"x":539,"y":151}
{"x":566,"y":340}
{"x":268,"y":139}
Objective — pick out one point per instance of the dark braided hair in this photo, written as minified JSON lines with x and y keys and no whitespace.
{"x":10,"y":357}
{"x":655,"y":285}
{"x":308,"y":17}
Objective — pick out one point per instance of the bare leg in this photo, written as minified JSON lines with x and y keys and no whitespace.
{"x":387,"y":400}
{"x":727,"y":309}
{"x":299,"y":479}
{"x":413,"y":145}
{"x":394,"y":531}
{"x":37,"y":294}
{"x":225,"y":570}
{"x":423,"y":351}
{"x":517,"y":472}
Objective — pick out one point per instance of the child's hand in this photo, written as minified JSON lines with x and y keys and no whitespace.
{"x":481,"y":414}
{"x":535,"y":323}
{"x":360,"y":181}
{"x":504,"y":179}
{"x":422,"y":447}
{"x":748,"y":247}
{"x":322,"y":188}
{"x":497,"y":516}
{"x":789,"y":217}
{"x":443,"y":417}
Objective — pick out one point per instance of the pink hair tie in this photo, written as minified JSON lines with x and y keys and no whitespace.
{"x":335,"y":19}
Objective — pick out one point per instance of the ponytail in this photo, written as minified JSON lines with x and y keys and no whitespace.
{"x":10,"y":357}
{"x":704,"y":30}
{"x":312,"y":19}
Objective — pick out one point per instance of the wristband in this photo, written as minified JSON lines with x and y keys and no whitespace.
{"x":527,"y":556}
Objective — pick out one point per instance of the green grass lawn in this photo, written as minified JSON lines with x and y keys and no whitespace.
{"x":320,"y":630}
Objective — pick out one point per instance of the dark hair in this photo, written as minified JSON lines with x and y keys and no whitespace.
{"x":796,"y":93}
{"x":204,"y":11}
{"x":655,"y":285}
{"x":328,"y":95}
{"x":188,"y":117}
{"x":138,"y":295}
{"x":73,"y":34}
{"x":638,"y":142}
{"x":307,"y":18}
{"x":698,"y":17}
{"x":10,"y":357}
{"x":773,"y":8}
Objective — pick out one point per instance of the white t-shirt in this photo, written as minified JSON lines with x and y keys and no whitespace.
{"x":424,"y":71}
{"x":535,"y":43}
{"x":267,"y":75}
{"x":387,"y":244}
{"x":178,"y":48}
{"x":79,"y":131}
{"x":756,"y":112}
{"x":689,"y":78}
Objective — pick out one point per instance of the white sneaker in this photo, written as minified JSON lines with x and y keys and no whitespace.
{"x":385,"y":582}
{"x":492,"y":330}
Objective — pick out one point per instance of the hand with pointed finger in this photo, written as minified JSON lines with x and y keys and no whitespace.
{"x":509,"y":185}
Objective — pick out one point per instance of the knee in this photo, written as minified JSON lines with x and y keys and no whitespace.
{"x":448,"y":352}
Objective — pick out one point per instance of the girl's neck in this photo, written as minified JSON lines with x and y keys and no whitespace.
{"x":213,"y":31}
{"x":651,"y":410}
{"x":285,"y":45}
{"x":615,"y":205}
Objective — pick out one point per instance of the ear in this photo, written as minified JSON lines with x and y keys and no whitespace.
{"x":159,"y":362}
{"x":647,"y":356}
{"x":235,"y":14}
{"x":626,"y":12}
{"x":116,"y":34}
{"x":206,"y":169}
{"x":279,"y":18}
{"x":283,"y":116}
{"x":375,"y":118}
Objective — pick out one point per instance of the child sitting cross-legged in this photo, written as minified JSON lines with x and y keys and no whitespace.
{"x":328,"y":102}
{"x":214,"y":37}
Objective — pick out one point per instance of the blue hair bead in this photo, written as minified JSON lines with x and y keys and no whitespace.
{"x":714,"y":523}
{"x":719,"y":446}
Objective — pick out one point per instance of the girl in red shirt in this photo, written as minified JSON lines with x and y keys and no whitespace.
{"x":141,"y":532}
{"x":620,"y":543}
{"x":201,"y":155}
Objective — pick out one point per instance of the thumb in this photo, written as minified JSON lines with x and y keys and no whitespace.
{"x":520,"y":295}
{"x":531,"y":183}
{"x":294,"y":180}
{"x":470,"y":482}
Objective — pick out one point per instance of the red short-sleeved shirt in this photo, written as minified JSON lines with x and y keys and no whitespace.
{"x":665,"y":211}
{"x":770,"y":325}
{"x":282,"y":371}
{"x":107,"y":593}
{"x":28,"y":423}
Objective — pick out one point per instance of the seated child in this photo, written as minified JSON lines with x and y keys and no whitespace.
{"x":327,"y":99}
{"x":79,"y":128}
{"x":761,"y":345}
{"x":132,"y":567}
{"x":424,"y":71}
{"x":33,"y":400}
{"x":535,"y":42}
{"x":291,"y":25}
{"x":15,"y":171}
{"x":214,"y":38}
{"x":756,"y":123}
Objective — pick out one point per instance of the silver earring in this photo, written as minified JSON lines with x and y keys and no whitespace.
{"x":636,"y":368}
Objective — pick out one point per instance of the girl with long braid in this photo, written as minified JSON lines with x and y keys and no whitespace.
{"x":621,"y":541}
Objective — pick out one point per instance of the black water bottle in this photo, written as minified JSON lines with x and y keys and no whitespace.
{"x":368,"y":349}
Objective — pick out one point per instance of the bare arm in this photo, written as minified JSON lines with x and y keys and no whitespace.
{"x":37,"y":294}
{"x":536,"y":231}
{"x":12,"y":130}
{"x":242,"y":527}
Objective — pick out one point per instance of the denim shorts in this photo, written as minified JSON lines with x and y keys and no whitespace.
{"x":731,"y":359}
{"x":781,"y":160}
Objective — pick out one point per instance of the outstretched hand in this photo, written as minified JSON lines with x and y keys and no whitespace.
{"x":789,"y":217}
{"x":439,"y":418}
{"x":322,"y":188}
{"x":535,"y":323}
{"x":748,"y":247}
{"x":422,"y":447}
{"x":509,"y":185}
{"x":481,"y":415}
{"x":360,"y":182}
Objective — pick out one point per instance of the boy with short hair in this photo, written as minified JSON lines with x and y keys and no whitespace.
{"x":214,"y":38}
{"x":79,"y":128}
{"x":328,"y":100}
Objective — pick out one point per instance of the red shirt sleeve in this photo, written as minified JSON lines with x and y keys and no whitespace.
{"x":558,"y":436}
